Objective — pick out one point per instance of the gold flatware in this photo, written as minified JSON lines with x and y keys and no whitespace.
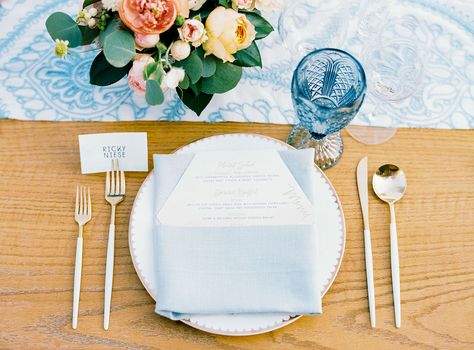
{"x":82,"y":215}
{"x":389,"y":183}
{"x":114,"y":194}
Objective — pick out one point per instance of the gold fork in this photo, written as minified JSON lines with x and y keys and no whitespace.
{"x":82,"y":215}
{"x":114,"y":194}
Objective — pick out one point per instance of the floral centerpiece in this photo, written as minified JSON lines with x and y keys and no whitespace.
{"x":198,"y":47}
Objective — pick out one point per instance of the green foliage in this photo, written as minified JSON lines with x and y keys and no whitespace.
{"x":119,"y":48}
{"x":226,"y":77}
{"x":262,"y":26}
{"x":193,"y":66}
{"x":88,"y":34}
{"x":88,"y":2}
{"x":61,"y":26}
{"x":250,"y":57}
{"x":208,"y":63}
{"x":195,"y":102}
{"x":103,"y":74}
{"x":154,"y":94}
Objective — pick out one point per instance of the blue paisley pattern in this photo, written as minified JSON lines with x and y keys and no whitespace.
{"x":35,"y":85}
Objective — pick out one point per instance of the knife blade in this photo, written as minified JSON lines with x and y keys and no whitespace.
{"x":362,"y":186}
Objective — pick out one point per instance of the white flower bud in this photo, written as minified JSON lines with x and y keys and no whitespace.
{"x":172,"y":79}
{"x":91,"y":23}
{"x":180,"y":50}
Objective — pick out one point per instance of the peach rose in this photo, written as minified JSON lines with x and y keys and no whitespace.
{"x":151,"y":16}
{"x":136,"y":78}
{"x":228,"y":32}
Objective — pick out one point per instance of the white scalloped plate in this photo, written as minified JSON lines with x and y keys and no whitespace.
{"x":331,"y":226}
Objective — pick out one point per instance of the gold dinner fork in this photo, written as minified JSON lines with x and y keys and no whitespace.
{"x":114,"y":194}
{"x":82,"y":215}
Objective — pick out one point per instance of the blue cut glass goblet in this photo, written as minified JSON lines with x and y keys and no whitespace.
{"x":328,"y":89}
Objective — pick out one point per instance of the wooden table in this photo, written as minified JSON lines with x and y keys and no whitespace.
{"x":39,"y":170}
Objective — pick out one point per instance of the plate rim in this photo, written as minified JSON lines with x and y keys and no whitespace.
{"x":292,"y":318}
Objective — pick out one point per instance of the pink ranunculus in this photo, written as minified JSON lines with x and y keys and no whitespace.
{"x":146,"y":41}
{"x":136,"y":80}
{"x":151,"y":16}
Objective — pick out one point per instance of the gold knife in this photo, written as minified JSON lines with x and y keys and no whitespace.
{"x":362,"y":186}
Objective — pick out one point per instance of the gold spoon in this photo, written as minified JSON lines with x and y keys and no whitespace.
{"x":389,"y":183}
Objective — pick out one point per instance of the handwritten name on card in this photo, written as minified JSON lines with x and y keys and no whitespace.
{"x":97,"y":151}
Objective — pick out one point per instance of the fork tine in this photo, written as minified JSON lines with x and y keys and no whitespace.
{"x":80,"y":200}
{"x":117,"y":178}
{"x":84,"y":203}
{"x":112,"y":179}
{"x":107,"y":183}
{"x":77,"y":200}
{"x":122,"y":182}
{"x":89,"y":204}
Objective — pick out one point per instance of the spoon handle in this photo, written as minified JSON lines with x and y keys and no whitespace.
{"x":395,"y":267}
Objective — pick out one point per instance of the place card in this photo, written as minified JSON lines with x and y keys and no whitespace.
{"x":98,"y":150}
{"x":237,"y":188}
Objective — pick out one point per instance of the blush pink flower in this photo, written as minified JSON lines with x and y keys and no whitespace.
{"x":193,"y":31}
{"x":136,"y":78}
{"x":146,"y":41}
{"x":151,"y":16}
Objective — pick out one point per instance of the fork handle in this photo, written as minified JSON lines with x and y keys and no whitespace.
{"x":77,"y":282}
{"x":109,"y":275}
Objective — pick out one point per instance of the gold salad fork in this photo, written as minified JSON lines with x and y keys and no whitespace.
{"x":114,"y":194}
{"x":82,"y":215}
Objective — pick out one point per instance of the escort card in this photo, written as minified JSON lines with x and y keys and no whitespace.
{"x":237,"y":188}
{"x":98,"y":150}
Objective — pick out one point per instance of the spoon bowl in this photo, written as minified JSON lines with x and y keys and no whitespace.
{"x":389,"y":183}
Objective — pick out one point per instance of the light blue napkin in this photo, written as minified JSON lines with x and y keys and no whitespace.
{"x":227,"y":270}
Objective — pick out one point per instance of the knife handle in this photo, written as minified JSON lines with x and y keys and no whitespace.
{"x":370,"y":276}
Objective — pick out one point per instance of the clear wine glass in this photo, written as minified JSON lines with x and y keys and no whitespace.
{"x":393,"y":61}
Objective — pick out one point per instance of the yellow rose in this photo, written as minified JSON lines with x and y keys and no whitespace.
{"x":228,"y":32}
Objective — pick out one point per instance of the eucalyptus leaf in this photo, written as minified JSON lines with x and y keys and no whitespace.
{"x":88,"y":34}
{"x":226,"y":77}
{"x":103,"y":74}
{"x":111,"y":27}
{"x":208,"y":63}
{"x":184,"y":84}
{"x":262,"y":26}
{"x":193,"y":66}
{"x":61,"y":26}
{"x":154,"y":95}
{"x":250,"y":57}
{"x":196,"y":103}
{"x":119,"y":48}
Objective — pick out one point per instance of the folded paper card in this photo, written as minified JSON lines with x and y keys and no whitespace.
{"x":206,"y":263}
{"x":97,"y":151}
{"x":237,"y":189}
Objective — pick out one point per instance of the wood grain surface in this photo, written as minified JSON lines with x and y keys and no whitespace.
{"x":39,"y":170}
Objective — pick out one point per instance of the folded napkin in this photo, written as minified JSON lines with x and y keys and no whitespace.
{"x":227,"y":270}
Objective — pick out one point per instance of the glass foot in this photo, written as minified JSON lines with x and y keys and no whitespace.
{"x":371,"y":135}
{"x":327,"y":151}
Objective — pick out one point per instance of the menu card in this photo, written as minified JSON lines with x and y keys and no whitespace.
{"x":237,"y":188}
